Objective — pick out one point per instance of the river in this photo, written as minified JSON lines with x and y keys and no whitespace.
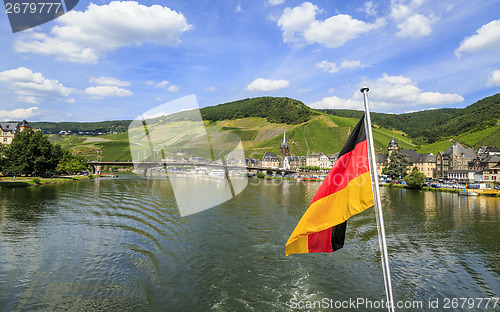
{"x":119,"y":244}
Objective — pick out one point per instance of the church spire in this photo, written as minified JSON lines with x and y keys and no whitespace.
{"x":284,"y":147}
{"x":284,"y":144}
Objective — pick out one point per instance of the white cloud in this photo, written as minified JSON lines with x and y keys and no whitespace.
{"x":107,"y":91}
{"x":336,"y":102}
{"x":27,"y":99}
{"x":415,"y":26}
{"x":272,"y":17}
{"x":494,"y":79}
{"x":326,"y":66}
{"x":400,"y":11}
{"x":161,"y":84}
{"x":84,"y":37}
{"x":109,"y":81}
{"x":299,"y":25}
{"x":32,"y":87}
{"x":337,"y":30}
{"x":370,"y":9}
{"x":303,"y":90}
{"x":261,"y":84}
{"x":351,"y":64}
{"x":150,"y":82}
{"x":402,"y":91}
{"x":238,"y":8}
{"x":275,"y":2}
{"x":390,"y":93}
{"x":297,"y":20}
{"x":21,"y":74}
{"x":211,"y":89}
{"x":332,"y":68}
{"x":173,"y":88}
{"x":19,"y":113}
{"x":486,"y":38}
{"x":410,"y":22}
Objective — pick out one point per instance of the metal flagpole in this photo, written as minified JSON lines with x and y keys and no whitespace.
{"x":378,"y":205}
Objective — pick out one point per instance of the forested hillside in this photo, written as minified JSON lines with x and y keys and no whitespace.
{"x":260,"y":123}
{"x":75,"y":127}
{"x":437,"y":124}
{"x":274,"y":109}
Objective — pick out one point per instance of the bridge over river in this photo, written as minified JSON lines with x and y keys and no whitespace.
{"x":148,"y":165}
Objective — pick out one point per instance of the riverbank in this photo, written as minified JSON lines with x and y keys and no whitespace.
{"x":435,"y":189}
{"x":390,"y":185}
{"x":9,"y":182}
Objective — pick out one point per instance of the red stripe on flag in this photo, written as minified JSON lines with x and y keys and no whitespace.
{"x":349,"y":166}
{"x":320,"y":241}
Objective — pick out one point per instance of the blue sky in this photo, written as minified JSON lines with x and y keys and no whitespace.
{"x":115,"y":60}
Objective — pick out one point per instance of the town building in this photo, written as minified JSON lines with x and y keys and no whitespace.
{"x":324,"y":162}
{"x":302,"y":161}
{"x":284,"y":151}
{"x":456,"y":157}
{"x":382,"y":160}
{"x":284,"y":148}
{"x":485,"y":151}
{"x":292,"y":163}
{"x":9,"y":130}
{"x":252,"y":162}
{"x":270,"y":160}
{"x":24,"y":126}
{"x":461,"y":175}
{"x":313,"y":159}
{"x":425,"y":163}
{"x":333,"y":158}
{"x":489,"y":167}
{"x":492,"y":174}
{"x":393,"y":146}
{"x":483,"y":163}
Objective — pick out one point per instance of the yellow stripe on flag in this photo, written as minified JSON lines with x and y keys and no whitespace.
{"x":331,"y":210}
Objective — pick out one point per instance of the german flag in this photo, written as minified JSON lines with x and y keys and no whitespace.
{"x":346,"y":191}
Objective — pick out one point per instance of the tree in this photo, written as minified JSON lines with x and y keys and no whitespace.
{"x":398,"y":165}
{"x":3,"y":149}
{"x":261,"y":174}
{"x":415,"y":179}
{"x":31,"y":152}
{"x":71,"y":163}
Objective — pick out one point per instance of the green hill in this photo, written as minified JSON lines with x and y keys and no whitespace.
{"x":274,"y":109}
{"x":413,"y":124}
{"x":323,"y":133}
{"x":75,"y":127}
{"x":489,"y":136}
{"x":260,"y":123}
{"x":438,"y":124}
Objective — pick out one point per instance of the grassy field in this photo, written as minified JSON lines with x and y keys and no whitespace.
{"x":487,"y":137}
{"x":323,"y":133}
{"x":326,"y":134}
{"x":9,"y":182}
{"x":435,"y":147}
